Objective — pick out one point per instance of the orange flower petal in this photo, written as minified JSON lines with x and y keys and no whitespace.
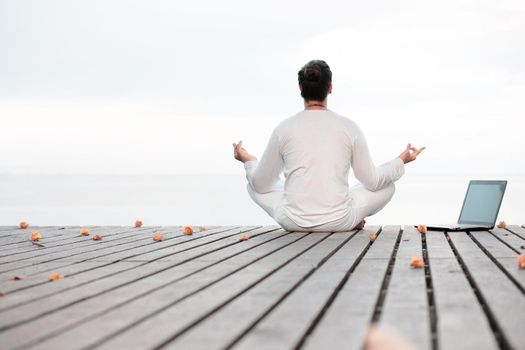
{"x":417,"y":262}
{"x":55,"y":277}
{"x":381,"y":337}
{"x":24,"y":225}
{"x":84,"y":232}
{"x":521,"y":261}
{"x":244,"y":238}
{"x":35,"y":236}
{"x":422,"y":229}
{"x":97,"y":237}
{"x":158,"y":237}
{"x":502,"y":224}
{"x":373,"y":237}
{"x":138,"y":223}
{"x":188,"y":230}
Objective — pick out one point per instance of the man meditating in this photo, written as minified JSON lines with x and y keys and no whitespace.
{"x":315,"y":149}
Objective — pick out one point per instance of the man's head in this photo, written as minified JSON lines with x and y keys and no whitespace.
{"x":315,"y":80}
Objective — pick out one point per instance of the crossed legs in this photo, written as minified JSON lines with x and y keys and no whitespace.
{"x":366,"y":203}
{"x":363,"y":203}
{"x":268,"y":201}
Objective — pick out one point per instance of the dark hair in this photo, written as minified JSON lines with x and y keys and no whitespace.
{"x":314,"y":79}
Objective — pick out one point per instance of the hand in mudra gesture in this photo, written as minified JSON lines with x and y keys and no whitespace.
{"x":410,"y":153}
{"x":241,"y":154}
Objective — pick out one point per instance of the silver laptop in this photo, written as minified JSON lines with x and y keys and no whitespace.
{"x":480,"y":207}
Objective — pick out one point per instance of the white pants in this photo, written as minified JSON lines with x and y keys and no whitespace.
{"x":363,"y":203}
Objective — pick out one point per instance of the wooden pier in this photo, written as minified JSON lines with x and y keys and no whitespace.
{"x":276,"y":290}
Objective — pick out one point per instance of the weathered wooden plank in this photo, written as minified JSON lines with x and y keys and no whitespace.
{"x":39,"y":273}
{"x":223,"y":327}
{"x":171,"y":320}
{"x":49,"y":234}
{"x":347,"y":319}
{"x":89,"y":245}
{"x":39,"y":294}
{"x":220,"y":327}
{"x":491,"y":244}
{"x":52,"y":232}
{"x":133,"y":289}
{"x":71,"y":242}
{"x":518,"y":231}
{"x":66,"y":241}
{"x":462,"y":324}
{"x":90,"y":274}
{"x":510,"y":238}
{"x":136,"y":252}
{"x":9,"y":232}
{"x":407,"y":294}
{"x":499,"y":293}
{"x":7,"y":229}
{"x":115,"y":251}
{"x":38,"y":277}
{"x":285,"y":320}
{"x":146,"y":287}
{"x":114,"y":297}
{"x":503,"y":255}
{"x":163,"y":254}
{"x":95,"y":247}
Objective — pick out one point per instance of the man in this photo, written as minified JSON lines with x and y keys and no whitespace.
{"x":315,"y":149}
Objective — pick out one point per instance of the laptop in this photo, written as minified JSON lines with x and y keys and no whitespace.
{"x":480,"y":207}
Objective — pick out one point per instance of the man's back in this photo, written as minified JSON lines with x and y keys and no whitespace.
{"x":316,"y":148}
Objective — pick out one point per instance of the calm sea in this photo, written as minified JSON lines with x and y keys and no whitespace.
{"x":211,"y":200}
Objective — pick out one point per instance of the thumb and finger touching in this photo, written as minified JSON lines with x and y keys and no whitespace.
{"x":412,"y":152}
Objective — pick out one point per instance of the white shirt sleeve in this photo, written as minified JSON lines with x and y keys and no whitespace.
{"x":264,"y":174}
{"x":372,"y":177}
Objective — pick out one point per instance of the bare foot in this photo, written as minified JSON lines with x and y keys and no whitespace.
{"x":360,"y":225}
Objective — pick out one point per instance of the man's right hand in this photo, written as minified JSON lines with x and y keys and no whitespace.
{"x":410,"y":153}
{"x":241,"y":154}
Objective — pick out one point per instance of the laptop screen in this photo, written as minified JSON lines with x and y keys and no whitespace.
{"x":482,"y":202}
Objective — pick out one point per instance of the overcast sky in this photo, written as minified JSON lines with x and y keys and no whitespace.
{"x":167,"y":86}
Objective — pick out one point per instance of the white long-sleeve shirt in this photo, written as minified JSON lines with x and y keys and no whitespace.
{"x":315,"y":150}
